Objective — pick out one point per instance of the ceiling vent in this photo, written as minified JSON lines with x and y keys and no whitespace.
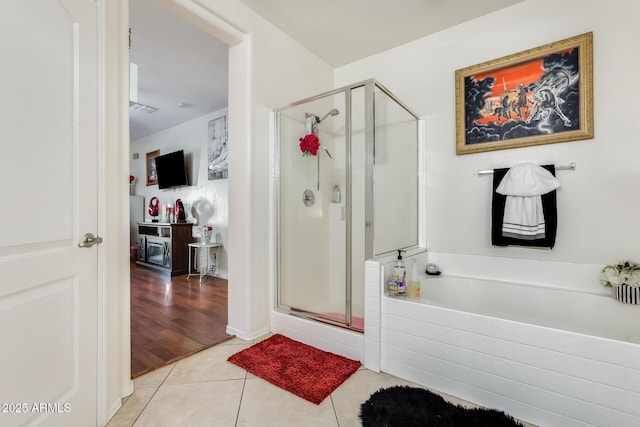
{"x":137,"y":107}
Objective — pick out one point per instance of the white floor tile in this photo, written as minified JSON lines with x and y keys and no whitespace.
{"x":356,"y":390}
{"x":208,"y":365}
{"x":266,"y":405}
{"x":202,"y":404}
{"x":206,"y":390}
{"x":133,"y":407}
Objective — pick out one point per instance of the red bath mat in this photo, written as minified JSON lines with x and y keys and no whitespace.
{"x":305,"y":371}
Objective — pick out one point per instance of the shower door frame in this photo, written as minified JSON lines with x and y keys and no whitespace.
{"x":369,"y":129}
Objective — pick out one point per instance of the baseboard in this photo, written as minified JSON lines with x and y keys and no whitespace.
{"x":247,"y":336}
{"x":126,"y":392}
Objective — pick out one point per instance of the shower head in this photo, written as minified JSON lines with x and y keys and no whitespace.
{"x":333,"y":112}
{"x":316,"y":122}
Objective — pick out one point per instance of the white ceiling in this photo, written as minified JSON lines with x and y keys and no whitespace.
{"x":344,"y":31}
{"x":178,"y":63}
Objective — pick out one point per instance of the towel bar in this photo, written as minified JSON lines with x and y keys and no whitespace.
{"x":570,"y":166}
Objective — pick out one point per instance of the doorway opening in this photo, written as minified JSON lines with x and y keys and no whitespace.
{"x":181,"y":98}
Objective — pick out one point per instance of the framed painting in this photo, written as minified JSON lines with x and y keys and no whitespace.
{"x":218,"y":167}
{"x":539,"y":96}
{"x":152,"y":175}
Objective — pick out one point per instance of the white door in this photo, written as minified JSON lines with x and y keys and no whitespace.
{"x":48,"y":162}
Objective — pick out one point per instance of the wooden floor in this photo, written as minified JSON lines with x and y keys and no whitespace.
{"x":172,"y":317}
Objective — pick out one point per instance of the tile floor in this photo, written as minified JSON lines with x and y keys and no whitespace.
{"x":206,"y":390}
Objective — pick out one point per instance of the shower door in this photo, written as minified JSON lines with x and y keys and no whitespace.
{"x":312,"y":193}
{"x":354,"y":198}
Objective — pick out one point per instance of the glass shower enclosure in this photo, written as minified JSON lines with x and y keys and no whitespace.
{"x":347,"y":190}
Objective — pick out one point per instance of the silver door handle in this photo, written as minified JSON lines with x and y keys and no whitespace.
{"x":89,"y":240}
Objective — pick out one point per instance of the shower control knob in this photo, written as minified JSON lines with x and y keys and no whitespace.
{"x":308,"y":198}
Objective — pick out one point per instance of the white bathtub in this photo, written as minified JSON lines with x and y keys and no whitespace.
{"x":592,"y":314}
{"x":548,"y":356}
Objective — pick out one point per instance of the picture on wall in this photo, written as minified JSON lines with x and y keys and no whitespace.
{"x":217,"y":158}
{"x":540,"y":96}
{"x":152,"y":174}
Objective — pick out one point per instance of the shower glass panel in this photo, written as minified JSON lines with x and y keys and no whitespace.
{"x":354,"y":199}
{"x":312,"y":226}
{"x":395,"y":176}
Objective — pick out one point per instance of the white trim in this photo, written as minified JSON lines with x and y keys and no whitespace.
{"x":422,"y":182}
{"x":101,"y":333}
{"x":244,"y":336}
{"x":114,"y":370}
{"x":197,"y":13}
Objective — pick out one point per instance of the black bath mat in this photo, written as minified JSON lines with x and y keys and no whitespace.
{"x":416,"y":407}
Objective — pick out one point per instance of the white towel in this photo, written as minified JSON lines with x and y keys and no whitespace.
{"x":524,"y":184}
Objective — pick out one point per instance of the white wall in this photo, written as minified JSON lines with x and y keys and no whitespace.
{"x":192,"y":137}
{"x":305,"y":267}
{"x":598,"y":207}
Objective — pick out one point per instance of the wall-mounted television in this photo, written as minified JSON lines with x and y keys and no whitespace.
{"x":171,"y":170}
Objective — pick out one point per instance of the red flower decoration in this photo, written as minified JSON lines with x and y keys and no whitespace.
{"x":309,"y":145}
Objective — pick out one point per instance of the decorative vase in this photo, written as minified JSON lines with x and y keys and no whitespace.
{"x":627,"y":294}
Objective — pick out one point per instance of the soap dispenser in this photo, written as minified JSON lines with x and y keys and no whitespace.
{"x":398,"y":282}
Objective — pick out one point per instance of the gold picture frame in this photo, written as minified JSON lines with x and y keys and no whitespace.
{"x":539,"y":96}
{"x":152,"y":174}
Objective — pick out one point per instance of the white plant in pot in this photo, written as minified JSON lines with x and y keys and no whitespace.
{"x":624,"y":278}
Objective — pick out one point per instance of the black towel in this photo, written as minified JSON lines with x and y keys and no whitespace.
{"x":549,"y":207}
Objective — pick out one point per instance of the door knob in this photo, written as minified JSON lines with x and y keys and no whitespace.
{"x":89,"y":240}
